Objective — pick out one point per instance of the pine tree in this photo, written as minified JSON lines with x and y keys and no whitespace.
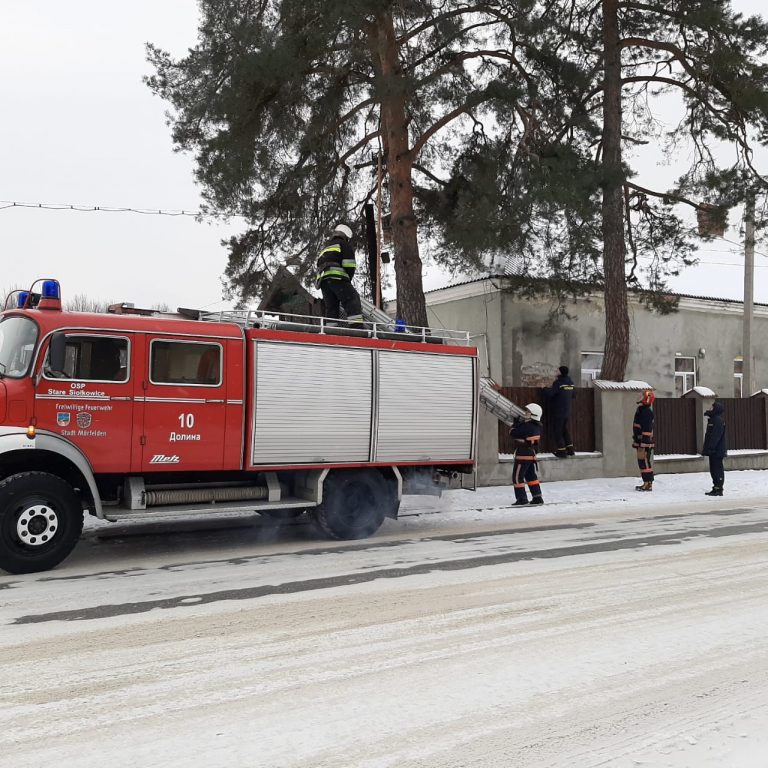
{"x":287,"y":105}
{"x":569,"y":202}
{"x":712,"y":58}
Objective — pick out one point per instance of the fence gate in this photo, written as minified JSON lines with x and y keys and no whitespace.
{"x":674,"y":425}
{"x":582,"y":418}
{"x":744,"y":422}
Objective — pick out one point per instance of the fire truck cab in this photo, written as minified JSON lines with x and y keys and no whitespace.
{"x":127,"y":416}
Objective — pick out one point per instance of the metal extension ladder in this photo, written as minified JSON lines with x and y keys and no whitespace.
{"x":492,"y":400}
{"x":375,"y":315}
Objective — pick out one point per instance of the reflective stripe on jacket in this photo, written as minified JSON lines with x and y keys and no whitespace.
{"x":642,"y":428}
{"x":336,"y":261}
{"x":526,"y":436}
{"x":561,"y":394}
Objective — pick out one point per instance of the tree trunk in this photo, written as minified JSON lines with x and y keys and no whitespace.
{"x":614,"y":248}
{"x":411,"y":305}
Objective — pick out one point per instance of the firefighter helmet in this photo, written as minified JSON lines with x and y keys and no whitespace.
{"x":647,"y":397}
{"x":343,"y":230}
{"x":535,"y":411}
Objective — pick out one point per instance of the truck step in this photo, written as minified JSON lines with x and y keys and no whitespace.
{"x":191,"y":510}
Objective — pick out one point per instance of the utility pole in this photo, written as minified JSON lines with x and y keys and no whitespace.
{"x":371,"y":240}
{"x":749,"y":291}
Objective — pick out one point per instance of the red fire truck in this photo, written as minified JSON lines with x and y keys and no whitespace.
{"x":130,"y":415}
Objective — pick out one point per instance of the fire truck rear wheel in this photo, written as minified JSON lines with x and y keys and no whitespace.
{"x":353,"y":504}
{"x":41,"y":520}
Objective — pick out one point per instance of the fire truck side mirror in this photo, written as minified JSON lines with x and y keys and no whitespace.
{"x":56,"y":351}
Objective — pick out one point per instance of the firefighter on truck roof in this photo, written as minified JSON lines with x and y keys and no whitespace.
{"x":335,"y":269}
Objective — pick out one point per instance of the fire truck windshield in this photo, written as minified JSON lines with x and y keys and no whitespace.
{"x":18,"y":336}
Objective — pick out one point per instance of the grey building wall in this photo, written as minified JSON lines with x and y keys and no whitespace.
{"x":524,"y":341}
{"x":480,"y":314}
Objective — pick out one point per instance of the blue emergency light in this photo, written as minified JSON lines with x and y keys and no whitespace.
{"x":51,"y":290}
{"x":22,"y":299}
{"x":50,"y":295}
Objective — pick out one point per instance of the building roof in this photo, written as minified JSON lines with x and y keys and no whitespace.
{"x":511,"y":278}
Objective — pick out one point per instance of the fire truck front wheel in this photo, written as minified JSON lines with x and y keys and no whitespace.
{"x":353,"y":504}
{"x":41,"y":520}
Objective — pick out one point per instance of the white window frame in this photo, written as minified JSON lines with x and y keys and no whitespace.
{"x":738,"y":376}
{"x":686,"y":376}
{"x":588,"y":375}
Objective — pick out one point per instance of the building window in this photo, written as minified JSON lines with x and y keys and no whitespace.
{"x":685,"y":374}
{"x":738,"y":377}
{"x":591,"y":365}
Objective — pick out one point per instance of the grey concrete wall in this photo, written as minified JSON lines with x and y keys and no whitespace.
{"x":481,"y":316}
{"x":655,"y":341}
{"x":522,"y":335}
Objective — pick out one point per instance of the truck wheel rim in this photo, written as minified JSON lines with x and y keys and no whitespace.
{"x":37,"y":525}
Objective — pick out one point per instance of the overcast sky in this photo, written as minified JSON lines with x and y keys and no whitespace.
{"x":80,"y":127}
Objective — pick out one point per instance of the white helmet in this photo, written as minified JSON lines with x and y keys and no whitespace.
{"x":343,"y":230}
{"x":535,"y":411}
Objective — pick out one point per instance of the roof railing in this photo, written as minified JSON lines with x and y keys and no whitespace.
{"x":373,"y":329}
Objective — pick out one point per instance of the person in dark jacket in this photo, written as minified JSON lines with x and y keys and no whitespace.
{"x":335,"y":269}
{"x":716,"y":447}
{"x":526,"y":434}
{"x":561,"y":395}
{"x":642,"y":439}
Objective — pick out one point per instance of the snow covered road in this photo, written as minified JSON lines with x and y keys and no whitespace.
{"x":605,"y":629}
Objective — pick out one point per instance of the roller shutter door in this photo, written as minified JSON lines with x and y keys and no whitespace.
{"x":426,"y":407}
{"x":313,"y":404}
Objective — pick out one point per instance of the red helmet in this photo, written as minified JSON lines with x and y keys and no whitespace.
{"x":647,"y":397}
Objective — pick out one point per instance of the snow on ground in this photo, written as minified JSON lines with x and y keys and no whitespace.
{"x":572,"y":498}
{"x":652,"y":653}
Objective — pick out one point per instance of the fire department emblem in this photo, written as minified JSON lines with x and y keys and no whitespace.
{"x":84,"y":420}
{"x":62,"y":419}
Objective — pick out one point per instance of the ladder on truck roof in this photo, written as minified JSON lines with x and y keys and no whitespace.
{"x":490,"y":398}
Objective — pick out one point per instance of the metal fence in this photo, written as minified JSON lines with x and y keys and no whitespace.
{"x":745,"y":422}
{"x":674,"y":425}
{"x":674,"y":428}
{"x":582,"y":423}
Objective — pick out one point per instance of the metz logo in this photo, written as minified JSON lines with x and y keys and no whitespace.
{"x":161,"y":458}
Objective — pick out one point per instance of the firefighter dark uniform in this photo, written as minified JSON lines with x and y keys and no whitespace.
{"x":642,"y":439}
{"x":526,"y":436}
{"x":715,"y":447}
{"x":335,"y":269}
{"x":560,"y":395}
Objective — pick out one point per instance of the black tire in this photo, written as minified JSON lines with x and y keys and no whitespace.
{"x":354,"y":504}
{"x":41,"y":520}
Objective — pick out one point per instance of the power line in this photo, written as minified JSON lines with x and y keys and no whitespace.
{"x":5,"y":204}
{"x":730,"y":264}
